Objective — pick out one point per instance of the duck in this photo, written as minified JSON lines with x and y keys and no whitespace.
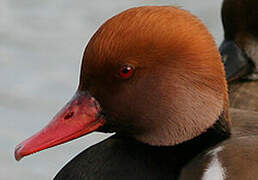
{"x":240,"y":52}
{"x":153,"y":76}
{"x":232,"y":159}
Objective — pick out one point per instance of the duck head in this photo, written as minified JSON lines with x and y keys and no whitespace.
{"x":240,"y":46}
{"x":150,"y":73}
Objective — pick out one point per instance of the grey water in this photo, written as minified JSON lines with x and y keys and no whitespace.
{"x":41,"y":45}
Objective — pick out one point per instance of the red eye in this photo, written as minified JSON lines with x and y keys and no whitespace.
{"x":126,"y":71}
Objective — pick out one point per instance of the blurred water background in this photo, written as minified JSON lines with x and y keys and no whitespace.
{"x":41,"y":44}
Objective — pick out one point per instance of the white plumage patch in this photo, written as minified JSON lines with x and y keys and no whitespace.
{"x":215,"y":170}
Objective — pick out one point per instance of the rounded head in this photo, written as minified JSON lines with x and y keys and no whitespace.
{"x":177,"y":89}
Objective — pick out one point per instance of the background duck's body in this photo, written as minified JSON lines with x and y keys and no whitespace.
{"x":233,"y":159}
{"x":244,"y":95}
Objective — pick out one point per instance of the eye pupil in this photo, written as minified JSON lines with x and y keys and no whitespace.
{"x":125,"y":70}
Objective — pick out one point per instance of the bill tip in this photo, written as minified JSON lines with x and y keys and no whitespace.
{"x":17,"y":153}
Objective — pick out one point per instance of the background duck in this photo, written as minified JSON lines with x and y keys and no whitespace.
{"x":240,"y":51}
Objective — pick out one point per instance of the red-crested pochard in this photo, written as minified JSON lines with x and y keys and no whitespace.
{"x":154,"y":76}
{"x":240,"y":51}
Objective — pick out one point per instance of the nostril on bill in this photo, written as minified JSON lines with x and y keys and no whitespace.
{"x":69,"y":115}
